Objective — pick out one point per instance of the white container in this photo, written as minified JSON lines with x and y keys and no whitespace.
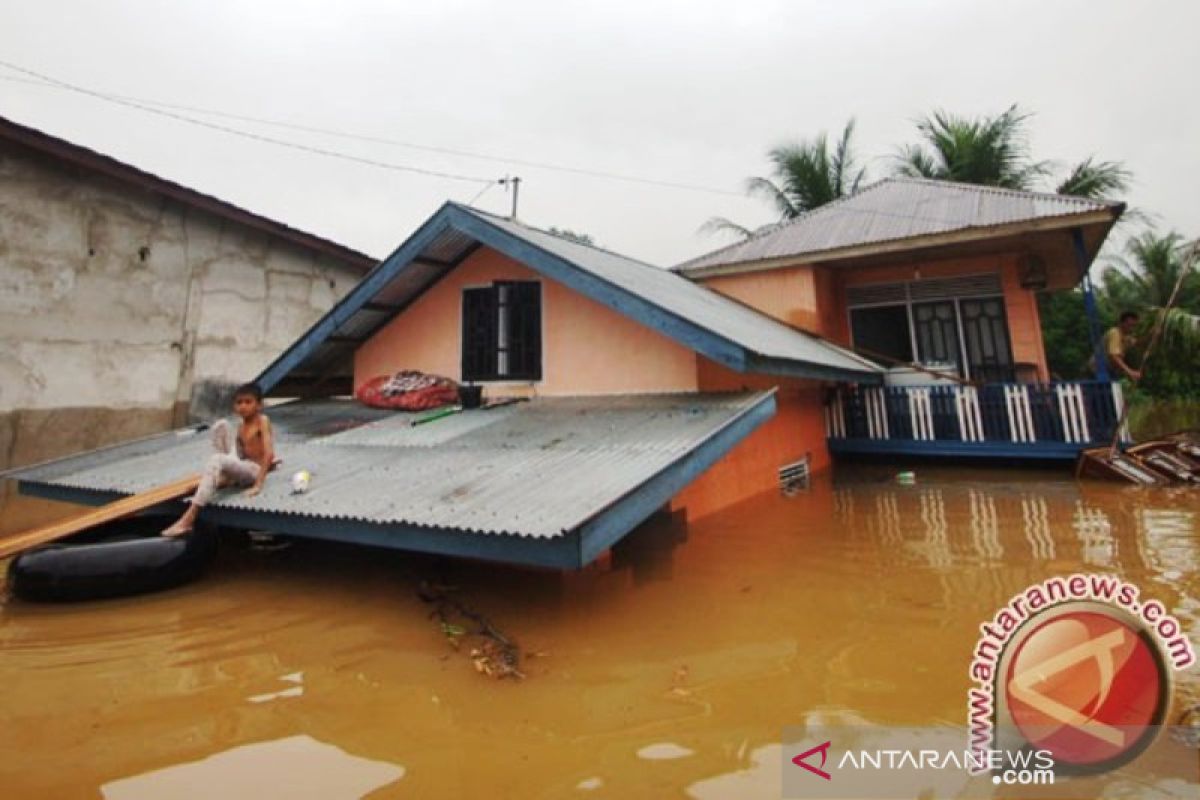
{"x":911,"y":376}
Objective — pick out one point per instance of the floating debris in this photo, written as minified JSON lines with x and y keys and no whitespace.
{"x":493,"y":654}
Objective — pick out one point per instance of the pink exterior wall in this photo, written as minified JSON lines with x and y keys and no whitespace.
{"x":586,"y":347}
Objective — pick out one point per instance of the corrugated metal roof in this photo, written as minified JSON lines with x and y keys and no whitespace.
{"x":535,"y":469}
{"x":894,"y":209}
{"x":656,"y":297}
{"x":737,"y":322}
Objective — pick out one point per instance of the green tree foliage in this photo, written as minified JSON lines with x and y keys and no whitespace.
{"x":1141,"y":282}
{"x":1066,"y":334}
{"x":994,"y":151}
{"x":805,"y":175}
{"x":990,"y":151}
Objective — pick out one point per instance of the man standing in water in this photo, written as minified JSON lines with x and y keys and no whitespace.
{"x":1118,"y":341}
{"x":244,"y":460}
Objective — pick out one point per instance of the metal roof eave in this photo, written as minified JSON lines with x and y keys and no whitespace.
{"x":1105,"y":216}
{"x":686,"y":332}
{"x":358,"y":297}
{"x":572,"y":549}
{"x":691,"y":334}
{"x":614,"y":522}
{"x":787,"y":368}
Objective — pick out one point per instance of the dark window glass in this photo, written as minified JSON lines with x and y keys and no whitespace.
{"x":936,"y":326}
{"x":985,"y":329}
{"x":882,"y":330}
{"x":502,"y":332}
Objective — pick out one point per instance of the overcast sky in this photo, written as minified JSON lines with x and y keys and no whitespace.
{"x":692,"y":92}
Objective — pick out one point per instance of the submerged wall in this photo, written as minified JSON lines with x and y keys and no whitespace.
{"x":587,"y":348}
{"x":796,"y":432}
{"x":121,"y":310}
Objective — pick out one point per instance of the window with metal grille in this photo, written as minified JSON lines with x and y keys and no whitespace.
{"x":502,"y":332}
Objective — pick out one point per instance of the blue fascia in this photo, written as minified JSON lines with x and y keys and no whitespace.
{"x":956,"y":449}
{"x":450,"y":215}
{"x":570,"y":550}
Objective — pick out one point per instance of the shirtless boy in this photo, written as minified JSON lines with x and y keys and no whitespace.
{"x":244,"y":461}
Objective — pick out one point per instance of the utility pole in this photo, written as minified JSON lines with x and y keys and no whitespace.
{"x":515,"y":182}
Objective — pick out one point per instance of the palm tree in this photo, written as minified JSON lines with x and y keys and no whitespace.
{"x":806,"y":175}
{"x":1146,"y":281}
{"x":1095,"y":180}
{"x":990,"y":151}
{"x":994,"y":151}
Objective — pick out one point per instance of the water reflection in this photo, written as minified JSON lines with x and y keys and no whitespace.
{"x":295,"y":767}
{"x":709,"y":635}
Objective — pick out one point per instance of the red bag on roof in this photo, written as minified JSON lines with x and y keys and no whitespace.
{"x":408,"y":390}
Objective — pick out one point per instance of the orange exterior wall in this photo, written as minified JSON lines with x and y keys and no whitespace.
{"x":813,"y":297}
{"x":752,"y":467}
{"x":1024,"y":324}
{"x":586,"y":347}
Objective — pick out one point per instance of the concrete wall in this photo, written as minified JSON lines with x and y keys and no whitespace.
{"x":118,"y":307}
{"x":586,"y":347}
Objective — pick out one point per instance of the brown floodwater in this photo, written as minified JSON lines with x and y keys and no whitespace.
{"x":668,"y":669}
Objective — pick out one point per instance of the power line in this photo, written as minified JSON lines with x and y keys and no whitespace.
{"x":247,"y":134}
{"x":154,"y":105}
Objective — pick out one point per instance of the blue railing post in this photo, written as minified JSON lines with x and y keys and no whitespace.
{"x":1089,"y":306}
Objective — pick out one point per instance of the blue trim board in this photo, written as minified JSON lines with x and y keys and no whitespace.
{"x":1049,"y":451}
{"x":624,"y":302}
{"x":451,"y":216}
{"x":558,"y":552}
{"x":359,"y":296}
{"x":571,"y":550}
{"x":794,"y":369}
{"x":612,"y":524}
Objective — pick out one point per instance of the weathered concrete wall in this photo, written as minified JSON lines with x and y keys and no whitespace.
{"x":113,"y":297}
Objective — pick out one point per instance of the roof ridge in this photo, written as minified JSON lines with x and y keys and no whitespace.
{"x":568,"y":240}
{"x":789,"y":236}
{"x":1004,"y":190}
{"x":787,"y":223}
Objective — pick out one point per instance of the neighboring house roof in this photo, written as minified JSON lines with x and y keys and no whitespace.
{"x":909,"y":211}
{"x":474,"y":484}
{"x":79,"y":156}
{"x":722,"y":329}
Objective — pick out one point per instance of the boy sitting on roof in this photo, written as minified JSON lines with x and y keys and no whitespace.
{"x":248,"y":465}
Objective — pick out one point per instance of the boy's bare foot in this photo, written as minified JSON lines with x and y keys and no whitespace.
{"x":178,"y":529}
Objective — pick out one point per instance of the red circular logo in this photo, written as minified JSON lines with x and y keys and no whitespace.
{"x":1088,"y":687}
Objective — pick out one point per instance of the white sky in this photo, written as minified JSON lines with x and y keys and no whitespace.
{"x":694,"y":92}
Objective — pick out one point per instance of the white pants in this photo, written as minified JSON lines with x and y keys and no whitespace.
{"x":224,"y":463}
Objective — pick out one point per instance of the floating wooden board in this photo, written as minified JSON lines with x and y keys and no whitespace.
{"x":126,"y":506}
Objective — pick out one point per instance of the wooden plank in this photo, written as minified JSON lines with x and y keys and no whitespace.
{"x":126,"y":506}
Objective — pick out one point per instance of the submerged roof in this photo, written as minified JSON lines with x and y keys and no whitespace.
{"x":572,"y":473}
{"x":716,"y":326}
{"x":79,"y":156}
{"x":896,"y":210}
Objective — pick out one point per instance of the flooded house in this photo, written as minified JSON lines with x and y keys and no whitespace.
{"x":938,"y":281}
{"x":614,"y":389}
{"x":640,"y":388}
{"x":124,"y":291}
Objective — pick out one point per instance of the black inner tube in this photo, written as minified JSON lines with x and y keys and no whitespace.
{"x":117,"y":559}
